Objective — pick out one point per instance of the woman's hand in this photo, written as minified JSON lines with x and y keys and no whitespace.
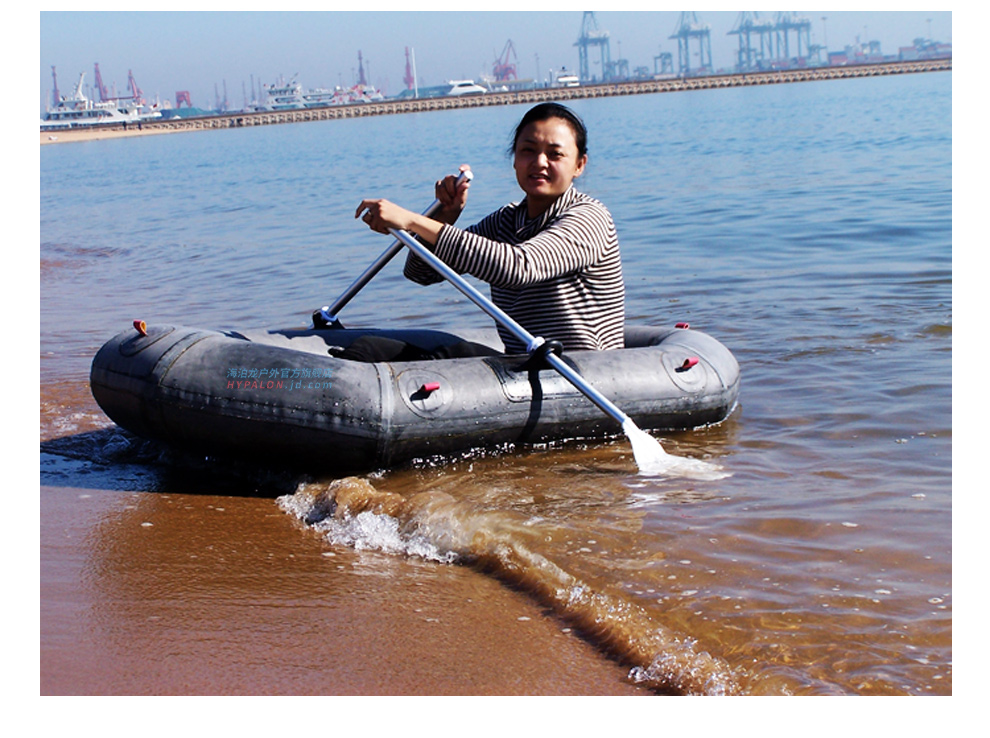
{"x":451,"y":196}
{"x":381,"y":215}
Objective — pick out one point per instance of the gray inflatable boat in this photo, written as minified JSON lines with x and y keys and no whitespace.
{"x":280,"y":396}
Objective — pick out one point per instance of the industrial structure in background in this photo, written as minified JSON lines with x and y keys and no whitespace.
{"x":690,"y":28}
{"x":135,"y":98}
{"x":778,"y":41}
{"x":768,"y":42}
{"x":504,"y":70}
{"x":81,"y":110}
{"x":592,"y":37}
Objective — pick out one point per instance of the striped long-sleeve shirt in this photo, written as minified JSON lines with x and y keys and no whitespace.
{"x":558,"y":275}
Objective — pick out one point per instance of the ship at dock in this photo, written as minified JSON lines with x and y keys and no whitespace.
{"x":291,"y":96}
{"x":79,"y":111}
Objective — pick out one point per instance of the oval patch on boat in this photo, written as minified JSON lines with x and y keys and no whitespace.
{"x":427,"y":393}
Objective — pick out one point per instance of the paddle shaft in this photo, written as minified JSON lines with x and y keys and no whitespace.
{"x":330,"y":311}
{"x":500,"y":317}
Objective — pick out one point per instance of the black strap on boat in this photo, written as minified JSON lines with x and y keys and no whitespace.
{"x":538,"y":355}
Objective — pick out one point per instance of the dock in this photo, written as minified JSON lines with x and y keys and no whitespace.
{"x":521,"y":97}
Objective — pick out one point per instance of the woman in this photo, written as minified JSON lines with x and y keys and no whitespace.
{"x":552,"y":259}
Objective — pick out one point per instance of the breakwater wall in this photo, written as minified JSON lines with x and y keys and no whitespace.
{"x":533,"y":96}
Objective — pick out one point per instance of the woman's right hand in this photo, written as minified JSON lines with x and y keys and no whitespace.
{"x":452,"y":196}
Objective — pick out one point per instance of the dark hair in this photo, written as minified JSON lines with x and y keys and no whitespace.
{"x":547,"y":110}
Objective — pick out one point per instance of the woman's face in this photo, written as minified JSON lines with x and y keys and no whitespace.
{"x":546,"y":162}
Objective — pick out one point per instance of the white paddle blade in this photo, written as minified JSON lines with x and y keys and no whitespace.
{"x":652,"y":460}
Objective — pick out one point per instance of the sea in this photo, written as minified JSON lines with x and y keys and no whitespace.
{"x":806,"y":226}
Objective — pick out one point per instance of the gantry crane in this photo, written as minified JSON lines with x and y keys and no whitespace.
{"x":748,"y":25}
{"x":691,"y":28}
{"x":592,"y":36}
{"x":788,"y":21}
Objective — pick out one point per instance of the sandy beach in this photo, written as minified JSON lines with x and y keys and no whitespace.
{"x":99,"y":134}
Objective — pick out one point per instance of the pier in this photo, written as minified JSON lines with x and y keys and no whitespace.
{"x":521,"y":97}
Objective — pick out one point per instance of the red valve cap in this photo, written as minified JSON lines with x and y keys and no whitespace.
{"x":688,"y":363}
{"x":141,"y":327}
{"x":430,"y":387}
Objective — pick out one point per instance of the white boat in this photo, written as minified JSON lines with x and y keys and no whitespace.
{"x":292,"y":96}
{"x":465,"y":87}
{"x":567,"y":79}
{"x":78,"y":111}
{"x":283,"y":96}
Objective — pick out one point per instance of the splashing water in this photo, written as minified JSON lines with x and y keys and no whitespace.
{"x":435,"y":526}
{"x":652,"y":460}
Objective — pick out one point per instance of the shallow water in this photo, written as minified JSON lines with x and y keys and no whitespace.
{"x":806,"y":226}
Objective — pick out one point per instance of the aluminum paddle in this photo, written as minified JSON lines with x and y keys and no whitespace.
{"x":326,"y":316}
{"x":649,"y":454}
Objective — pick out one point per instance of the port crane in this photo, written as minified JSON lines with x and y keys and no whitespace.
{"x":774,"y":39}
{"x":748,"y":25}
{"x":788,"y":21}
{"x":98,"y":81}
{"x":136,"y":94}
{"x":503,"y":70}
{"x":592,"y":36}
{"x":691,"y":28}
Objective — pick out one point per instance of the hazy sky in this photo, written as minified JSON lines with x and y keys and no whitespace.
{"x":199,"y":51}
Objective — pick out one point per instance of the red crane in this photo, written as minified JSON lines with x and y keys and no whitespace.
{"x":136,"y":93}
{"x":503,"y":70}
{"x":182,"y":96}
{"x":99,"y":84}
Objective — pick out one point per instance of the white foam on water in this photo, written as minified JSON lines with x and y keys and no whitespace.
{"x":364,"y":531}
{"x":652,"y":460}
{"x":377,"y":532}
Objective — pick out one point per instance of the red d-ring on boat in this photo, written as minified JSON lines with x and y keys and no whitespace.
{"x":688,"y":363}
{"x":430,"y":387}
{"x":141,"y":327}
{"x":682,"y":325}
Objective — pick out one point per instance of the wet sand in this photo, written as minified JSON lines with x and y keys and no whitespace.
{"x":160,"y":593}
